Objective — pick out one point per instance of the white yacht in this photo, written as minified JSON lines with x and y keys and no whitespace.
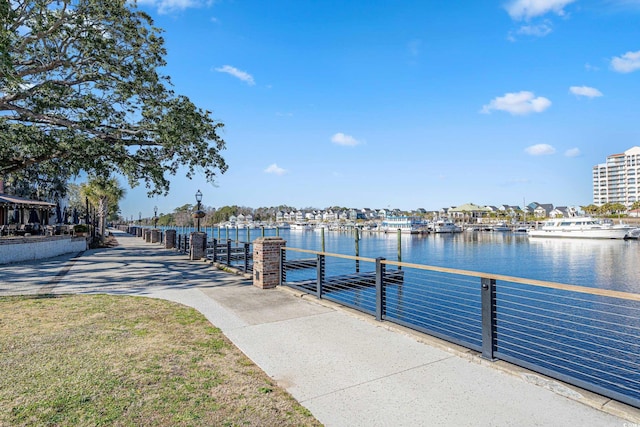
{"x":445,"y":226}
{"x":301,"y":226}
{"x":406,"y":224}
{"x":501,"y":226}
{"x":581,"y":227}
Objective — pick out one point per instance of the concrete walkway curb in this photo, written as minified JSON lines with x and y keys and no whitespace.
{"x":347,"y":369}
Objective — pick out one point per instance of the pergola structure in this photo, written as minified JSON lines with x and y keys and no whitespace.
{"x":9,"y":205}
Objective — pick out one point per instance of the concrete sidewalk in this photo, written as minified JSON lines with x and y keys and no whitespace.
{"x":346,"y":368}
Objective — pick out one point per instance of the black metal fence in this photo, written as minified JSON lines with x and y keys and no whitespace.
{"x":231,"y":253}
{"x":182,"y":243}
{"x":583,"y":336}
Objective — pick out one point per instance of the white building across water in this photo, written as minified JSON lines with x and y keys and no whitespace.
{"x":616,"y":181}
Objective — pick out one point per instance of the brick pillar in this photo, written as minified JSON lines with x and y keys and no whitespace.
{"x":197,"y":245}
{"x":155,"y":235}
{"x":138,"y":232}
{"x":170,"y":239}
{"x":266,"y":261}
{"x":147,"y":235}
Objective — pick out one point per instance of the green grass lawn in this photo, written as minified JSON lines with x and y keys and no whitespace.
{"x":131,"y":361}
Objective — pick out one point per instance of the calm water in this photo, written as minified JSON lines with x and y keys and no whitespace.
{"x":606,"y":264}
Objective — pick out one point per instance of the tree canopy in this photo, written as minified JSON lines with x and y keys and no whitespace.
{"x":80,"y":90}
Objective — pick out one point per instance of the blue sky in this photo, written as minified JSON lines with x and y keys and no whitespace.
{"x":403,"y":104}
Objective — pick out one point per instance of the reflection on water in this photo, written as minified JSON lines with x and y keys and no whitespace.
{"x":607,"y":264}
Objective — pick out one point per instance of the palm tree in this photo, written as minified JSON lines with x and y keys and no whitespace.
{"x":590,"y":209}
{"x":618,"y":208}
{"x":105,"y":193}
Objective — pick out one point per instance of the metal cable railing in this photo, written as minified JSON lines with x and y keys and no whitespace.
{"x":591,"y":339}
{"x":585,"y":336}
{"x":444,"y":305}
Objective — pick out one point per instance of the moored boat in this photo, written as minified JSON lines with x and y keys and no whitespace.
{"x":445,"y":226}
{"x":633,"y":234}
{"x":301,"y":226}
{"x":406,"y":225}
{"x":500,"y":226}
{"x":581,"y":227}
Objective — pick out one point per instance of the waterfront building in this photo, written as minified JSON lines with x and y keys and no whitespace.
{"x":509,"y":210}
{"x":469,"y":212}
{"x":560,"y":212}
{"x":615,"y":181}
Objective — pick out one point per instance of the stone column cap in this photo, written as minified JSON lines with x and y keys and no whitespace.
{"x":270,"y":239}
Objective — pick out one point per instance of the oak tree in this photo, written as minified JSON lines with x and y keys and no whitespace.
{"x":81,"y":90}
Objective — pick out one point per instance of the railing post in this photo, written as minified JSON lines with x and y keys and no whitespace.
{"x":380,"y":267}
{"x":488,"y":317}
{"x":283,"y":271}
{"x":228,"y":252}
{"x":319,"y":275}
{"x":215,"y":250}
{"x":357,"y":237}
{"x":246,"y":257}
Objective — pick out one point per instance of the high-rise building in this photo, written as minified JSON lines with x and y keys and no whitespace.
{"x":616,"y":181}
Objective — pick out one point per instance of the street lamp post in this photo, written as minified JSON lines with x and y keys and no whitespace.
{"x":198,"y":213}
{"x":155,"y":217}
{"x":139,"y":218}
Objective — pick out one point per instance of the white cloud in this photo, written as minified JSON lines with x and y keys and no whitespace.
{"x":275,"y":169}
{"x":519,"y":103}
{"x":168,"y":6}
{"x":539,"y":30}
{"x":572,"y":152}
{"x":589,"y":92}
{"x":626,"y":63}
{"x":342,"y":139}
{"x":527,"y":9}
{"x":239,"y":74}
{"x":540,"y":150}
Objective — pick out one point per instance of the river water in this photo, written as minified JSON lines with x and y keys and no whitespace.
{"x":605,"y":264}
